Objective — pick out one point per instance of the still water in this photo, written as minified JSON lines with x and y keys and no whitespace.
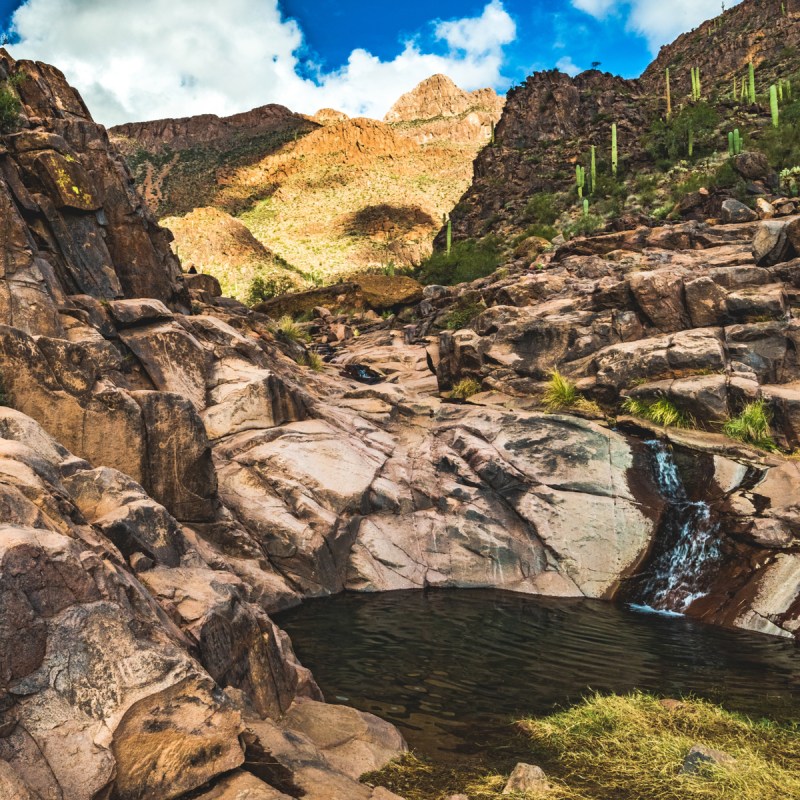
{"x":452,"y":669}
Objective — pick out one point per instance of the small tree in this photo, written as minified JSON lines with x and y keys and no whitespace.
{"x":10,"y":109}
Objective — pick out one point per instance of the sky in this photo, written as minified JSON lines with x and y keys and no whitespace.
{"x":149,"y":59}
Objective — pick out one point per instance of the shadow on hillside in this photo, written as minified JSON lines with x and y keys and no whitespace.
{"x":386,"y":219}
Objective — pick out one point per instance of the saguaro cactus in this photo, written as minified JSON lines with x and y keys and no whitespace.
{"x":691,"y":139}
{"x":449,"y":236}
{"x":733,"y":96}
{"x":734,"y":143}
{"x":669,"y":96}
{"x":614,"y":154}
{"x":696,"y":85}
{"x":593,"y":168}
{"x":751,"y":80}
{"x":491,"y":136}
{"x":773,"y":105}
{"x":580,"y":179}
{"x":585,"y":207}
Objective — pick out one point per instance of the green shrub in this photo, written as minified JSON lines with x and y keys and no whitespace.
{"x":752,"y":426}
{"x":542,"y":209}
{"x":262,"y":288}
{"x":10,"y":109}
{"x":781,"y":145}
{"x":465,"y":388}
{"x":661,"y":412}
{"x":291,"y":331}
{"x":585,"y":225}
{"x":462,"y":315}
{"x":469,"y":260}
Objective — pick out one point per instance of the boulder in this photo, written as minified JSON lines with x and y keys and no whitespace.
{"x":526,"y":778}
{"x":752,"y":165}
{"x":770,"y":245}
{"x":702,"y":756}
{"x":734,"y":211}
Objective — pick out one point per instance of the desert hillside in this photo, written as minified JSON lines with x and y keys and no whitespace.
{"x":337,"y":197}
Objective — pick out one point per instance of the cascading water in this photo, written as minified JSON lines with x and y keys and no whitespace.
{"x":689,"y":544}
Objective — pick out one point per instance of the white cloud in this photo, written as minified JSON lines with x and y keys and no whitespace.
{"x":566,"y":64}
{"x":657,"y":20}
{"x":149,"y":59}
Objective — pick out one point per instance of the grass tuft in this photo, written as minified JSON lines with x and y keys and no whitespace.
{"x":562,"y":394}
{"x":752,"y":426}
{"x":661,"y":412}
{"x":465,"y":388}
{"x":312,"y":360}
{"x":291,"y":331}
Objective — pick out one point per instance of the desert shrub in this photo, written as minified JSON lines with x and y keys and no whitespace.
{"x":781,"y":145}
{"x":668,"y":140}
{"x":10,"y":109}
{"x":752,"y":426}
{"x":542,"y":209}
{"x":469,"y":260}
{"x":265,"y":288}
{"x":465,"y":388}
{"x":661,"y":412}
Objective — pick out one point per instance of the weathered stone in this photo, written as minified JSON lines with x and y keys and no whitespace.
{"x":770,"y":245}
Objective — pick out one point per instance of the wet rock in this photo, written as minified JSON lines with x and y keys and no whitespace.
{"x":526,"y":778}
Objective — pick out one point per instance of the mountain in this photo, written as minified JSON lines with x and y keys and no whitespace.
{"x":329,"y":195}
{"x":551,"y":121}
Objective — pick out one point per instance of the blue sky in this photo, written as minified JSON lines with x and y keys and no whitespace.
{"x":145,"y":59}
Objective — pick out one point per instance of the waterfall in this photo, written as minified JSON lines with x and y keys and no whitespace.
{"x":688,"y":547}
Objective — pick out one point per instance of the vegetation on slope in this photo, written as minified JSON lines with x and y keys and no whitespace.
{"x":625,"y":748}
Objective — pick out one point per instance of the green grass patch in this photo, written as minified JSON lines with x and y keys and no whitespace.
{"x":311,"y":360}
{"x":615,"y":747}
{"x":752,"y":426}
{"x":661,"y":412}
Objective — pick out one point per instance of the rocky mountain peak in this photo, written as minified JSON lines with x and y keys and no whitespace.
{"x":438,"y":96}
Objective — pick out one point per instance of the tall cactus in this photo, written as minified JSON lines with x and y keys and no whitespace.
{"x":593,"y":168}
{"x":773,"y":105}
{"x":491,"y":135}
{"x":580,"y":180}
{"x":751,"y":80}
{"x":733,"y":96}
{"x":669,"y":96}
{"x":585,"y":207}
{"x":449,"y":236}
{"x":696,"y":85}
{"x":734,"y":142}
{"x":691,"y":139}
{"x":614,"y":153}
